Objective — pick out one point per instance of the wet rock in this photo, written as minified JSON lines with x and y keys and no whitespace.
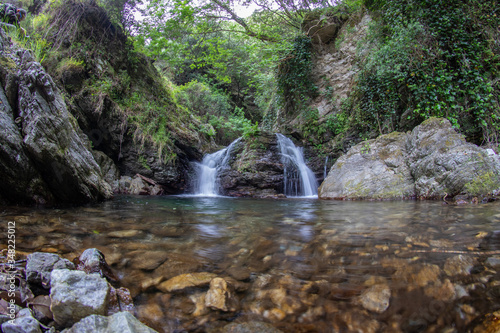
{"x":141,"y":185}
{"x":40,"y":265}
{"x":376,"y":298}
{"x":493,"y":261}
{"x":120,"y":300}
{"x":76,"y":295}
{"x":108,"y":168}
{"x":459,"y":265}
{"x":255,"y":169}
{"x":124,"y":233}
{"x":184,"y":281}
{"x":490,"y":324}
{"x":148,"y":260}
{"x":432,"y":161}
{"x":250,"y":327}
{"x":93,"y":261}
{"x":121,"y":322}
{"x":24,"y":323}
{"x":198,"y":300}
{"x":221,"y":295}
{"x":177,"y":264}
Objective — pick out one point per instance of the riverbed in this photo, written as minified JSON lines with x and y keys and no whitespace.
{"x":300,"y":265}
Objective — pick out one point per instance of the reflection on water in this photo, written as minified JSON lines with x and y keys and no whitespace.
{"x":302,"y":265}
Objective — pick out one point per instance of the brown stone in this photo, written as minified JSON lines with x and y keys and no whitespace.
{"x":184,"y":281}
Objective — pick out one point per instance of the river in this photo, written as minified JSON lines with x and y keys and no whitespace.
{"x":302,"y":265}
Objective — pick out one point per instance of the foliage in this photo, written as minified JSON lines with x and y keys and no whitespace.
{"x":434,"y":58}
{"x":294,"y":75}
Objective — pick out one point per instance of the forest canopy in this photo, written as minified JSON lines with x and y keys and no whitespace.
{"x":240,"y":74}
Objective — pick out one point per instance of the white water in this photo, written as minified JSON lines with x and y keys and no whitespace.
{"x":207,"y":184}
{"x":299,"y":180}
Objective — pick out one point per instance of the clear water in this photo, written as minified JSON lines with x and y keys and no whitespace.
{"x":302,"y":265}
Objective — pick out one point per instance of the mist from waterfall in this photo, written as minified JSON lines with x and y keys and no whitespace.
{"x":299,"y":180}
{"x":207,"y":184}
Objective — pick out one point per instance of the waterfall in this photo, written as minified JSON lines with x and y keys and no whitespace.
{"x":206,"y":180}
{"x":299,"y":180}
{"x":324,"y":170}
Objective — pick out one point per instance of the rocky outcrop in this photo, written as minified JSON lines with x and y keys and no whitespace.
{"x":255,"y":169}
{"x":45,"y":158}
{"x":430,"y":162}
{"x":336,"y":64}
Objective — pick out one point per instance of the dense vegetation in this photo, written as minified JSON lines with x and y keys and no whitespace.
{"x":225,"y":75}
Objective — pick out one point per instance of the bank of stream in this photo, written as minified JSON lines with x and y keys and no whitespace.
{"x":301,"y":265}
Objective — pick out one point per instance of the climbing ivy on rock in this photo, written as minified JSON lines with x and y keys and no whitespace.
{"x":294,"y":75}
{"x":434,"y":58}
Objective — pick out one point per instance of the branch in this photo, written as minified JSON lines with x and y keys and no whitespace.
{"x":242,"y":23}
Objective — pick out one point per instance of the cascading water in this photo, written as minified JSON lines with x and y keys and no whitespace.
{"x":206,"y":180}
{"x":299,"y":180}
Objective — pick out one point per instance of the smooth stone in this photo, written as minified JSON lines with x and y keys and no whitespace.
{"x":376,"y":298}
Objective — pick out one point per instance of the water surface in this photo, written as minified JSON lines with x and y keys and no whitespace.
{"x":302,"y":265}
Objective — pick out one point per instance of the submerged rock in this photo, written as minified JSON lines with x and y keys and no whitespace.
{"x":376,"y":298}
{"x":221,"y":295}
{"x":250,"y":327}
{"x":76,"y":295}
{"x":430,"y":162}
{"x":121,"y":322}
{"x":184,"y":281}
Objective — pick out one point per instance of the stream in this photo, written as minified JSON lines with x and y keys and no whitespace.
{"x":301,"y":265}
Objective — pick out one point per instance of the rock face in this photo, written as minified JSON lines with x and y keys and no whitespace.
{"x":76,"y":295}
{"x":45,"y":158}
{"x":335,"y":63}
{"x":430,"y":162}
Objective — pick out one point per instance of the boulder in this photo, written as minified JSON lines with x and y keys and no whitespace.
{"x":75,"y":295}
{"x":442,"y":162}
{"x":430,"y":162}
{"x":121,"y":322}
{"x":372,"y":169}
{"x":40,"y":265}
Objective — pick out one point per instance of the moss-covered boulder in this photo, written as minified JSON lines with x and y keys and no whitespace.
{"x":431,"y":162}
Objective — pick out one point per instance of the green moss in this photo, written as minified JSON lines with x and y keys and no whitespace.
{"x":6,"y":62}
{"x":483,"y":184}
